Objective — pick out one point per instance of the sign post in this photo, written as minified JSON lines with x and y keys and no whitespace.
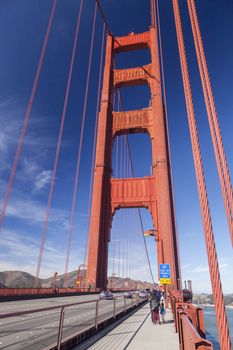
{"x":165,"y":278}
{"x":165,"y":274}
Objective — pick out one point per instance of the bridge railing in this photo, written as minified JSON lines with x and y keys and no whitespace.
{"x":189,"y":323}
{"x":14,"y":292}
{"x":98,"y":318}
{"x":63,"y":331}
{"x":8,"y":292}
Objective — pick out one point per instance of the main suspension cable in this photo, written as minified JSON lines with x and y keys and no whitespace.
{"x":201,"y":185}
{"x":223,"y":171}
{"x":105,"y":22}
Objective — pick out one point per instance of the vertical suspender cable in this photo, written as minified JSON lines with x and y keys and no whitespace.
{"x":152,"y":12}
{"x":116,"y":168}
{"x":116,"y":174}
{"x":204,"y":204}
{"x":215,"y":131}
{"x":113,"y":252}
{"x":94,"y":147}
{"x":126,"y":216}
{"x":119,"y":254}
{"x":27,"y":115}
{"x":124,"y":212}
{"x":58,"y":148}
{"x":70,"y":229}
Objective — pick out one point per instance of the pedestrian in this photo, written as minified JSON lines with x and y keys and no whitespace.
{"x":162,"y":312}
{"x":162,"y":297}
{"x":154,"y":306}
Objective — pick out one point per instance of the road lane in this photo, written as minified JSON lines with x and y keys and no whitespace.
{"x":41,"y":329}
{"x":22,"y":305}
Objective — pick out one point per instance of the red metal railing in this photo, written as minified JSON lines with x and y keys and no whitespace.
{"x":7,"y":292}
{"x":97,"y":319}
{"x":11,"y":292}
{"x":189,"y":338}
{"x":189,"y":323}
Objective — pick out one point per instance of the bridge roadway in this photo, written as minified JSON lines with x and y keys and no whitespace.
{"x":36,"y":331}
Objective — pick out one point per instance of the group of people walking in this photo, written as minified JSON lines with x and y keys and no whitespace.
{"x":157,"y":307}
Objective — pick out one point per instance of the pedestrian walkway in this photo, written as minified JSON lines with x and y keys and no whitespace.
{"x":138,"y":332}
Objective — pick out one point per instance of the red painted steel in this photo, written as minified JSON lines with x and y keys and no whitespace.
{"x":52,"y":183}
{"x":94,"y":147}
{"x":133,"y":122}
{"x":203,"y":198}
{"x":167,"y":132}
{"x":220,"y":156}
{"x":132,"y":76}
{"x":101,"y":207}
{"x":27,"y":115}
{"x":132,"y":42}
{"x":10,"y":292}
{"x":189,"y":323}
{"x":134,"y":193}
{"x":190,"y":339}
{"x":135,"y":302}
{"x":153,"y":192}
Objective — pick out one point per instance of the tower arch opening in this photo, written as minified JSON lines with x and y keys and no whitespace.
{"x":132,"y":98}
{"x":130,"y":59}
{"x":132,"y":150}
{"x":127,"y":259}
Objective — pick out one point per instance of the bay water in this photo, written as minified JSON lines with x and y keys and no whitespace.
{"x":211,"y":325}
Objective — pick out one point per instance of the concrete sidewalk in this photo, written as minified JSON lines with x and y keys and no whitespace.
{"x":138,"y":332}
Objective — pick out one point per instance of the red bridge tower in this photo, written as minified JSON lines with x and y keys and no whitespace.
{"x":152,"y":192}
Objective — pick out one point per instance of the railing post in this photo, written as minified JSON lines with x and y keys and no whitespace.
{"x":114,"y":308}
{"x":181,"y":314}
{"x":96,"y":314}
{"x":200,"y":322}
{"x":124,"y":304}
{"x":60,"y":330}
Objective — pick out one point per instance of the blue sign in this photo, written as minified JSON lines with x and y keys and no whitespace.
{"x":165,"y":271}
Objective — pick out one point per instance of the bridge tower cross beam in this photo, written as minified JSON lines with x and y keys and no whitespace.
{"x":152,"y":192}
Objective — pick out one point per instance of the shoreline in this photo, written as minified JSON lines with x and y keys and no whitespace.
{"x":212,"y":305}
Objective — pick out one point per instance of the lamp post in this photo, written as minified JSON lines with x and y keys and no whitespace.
{"x":81,"y":276}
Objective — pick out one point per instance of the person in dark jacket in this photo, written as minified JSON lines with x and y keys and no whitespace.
{"x":154,"y":306}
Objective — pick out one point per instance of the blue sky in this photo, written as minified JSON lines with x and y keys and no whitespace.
{"x":22,"y":27}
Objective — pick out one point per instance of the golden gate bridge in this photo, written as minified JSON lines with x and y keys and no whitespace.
{"x":108,"y":193}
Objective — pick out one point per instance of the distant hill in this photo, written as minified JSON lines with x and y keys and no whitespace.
{"x":21,"y":279}
{"x":202,"y":299}
{"x":118,"y":282}
{"x":16,"y":279}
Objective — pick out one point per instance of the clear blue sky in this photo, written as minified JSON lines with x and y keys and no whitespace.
{"x":22,"y":28}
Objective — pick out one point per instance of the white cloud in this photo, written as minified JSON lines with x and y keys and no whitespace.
{"x":200,"y":269}
{"x":37,"y":140}
{"x":185,"y":267}
{"x":34,"y":212}
{"x":43,"y":179}
{"x":30,"y":167}
{"x":21,"y":252}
